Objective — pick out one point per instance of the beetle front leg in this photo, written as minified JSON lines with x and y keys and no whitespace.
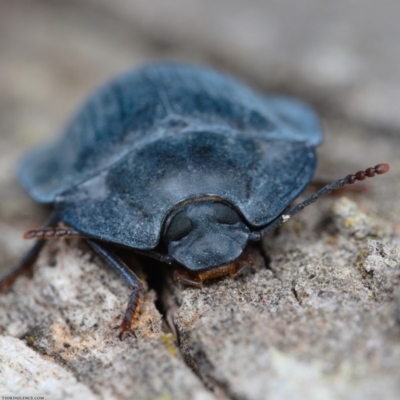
{"x":129,"y":277}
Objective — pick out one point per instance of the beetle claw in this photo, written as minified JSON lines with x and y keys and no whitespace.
{"x":126,"y":329}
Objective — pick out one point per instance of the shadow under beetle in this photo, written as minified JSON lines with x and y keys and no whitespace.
{"x":181,"y":163}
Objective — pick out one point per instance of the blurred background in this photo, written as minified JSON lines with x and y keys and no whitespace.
{"x":342,"y":56}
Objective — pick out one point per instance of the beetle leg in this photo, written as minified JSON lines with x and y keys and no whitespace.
{"x":26,"y":264}
{"x":129,"y":277}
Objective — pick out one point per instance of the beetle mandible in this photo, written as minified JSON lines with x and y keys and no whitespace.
{"x":181,"y":163}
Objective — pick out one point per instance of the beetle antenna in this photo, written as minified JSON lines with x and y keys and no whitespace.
{"x":348,"y":180}
{"x":59,"y":233}
{"x":52,"y":233}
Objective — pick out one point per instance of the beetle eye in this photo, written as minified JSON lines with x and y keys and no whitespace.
{"x":225,"y":215}
{"x":179,"y":227}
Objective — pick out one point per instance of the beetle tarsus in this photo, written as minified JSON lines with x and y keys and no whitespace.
{"x":126,"y":330}
{"x":131,"y":312}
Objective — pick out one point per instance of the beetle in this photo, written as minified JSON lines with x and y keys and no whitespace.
{"x":181,"y":163}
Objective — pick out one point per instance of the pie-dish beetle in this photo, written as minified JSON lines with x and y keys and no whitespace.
{"x":181,"y":163}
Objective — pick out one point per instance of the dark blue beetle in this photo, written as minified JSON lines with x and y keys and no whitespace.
{"x":181,"y":163}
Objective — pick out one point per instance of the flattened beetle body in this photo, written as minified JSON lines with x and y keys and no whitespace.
{"x":157,"y":137}
{"x":181,"y":163}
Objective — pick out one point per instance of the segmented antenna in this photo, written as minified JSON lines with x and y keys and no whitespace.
{"x":52,"y":233}
{"x":59,"y":233}
{"x":348,"y":180}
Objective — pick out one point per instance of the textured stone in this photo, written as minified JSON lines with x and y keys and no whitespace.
{"x":23,"y":372}
{"x":310,"y":323}
{"x":69,"y":315}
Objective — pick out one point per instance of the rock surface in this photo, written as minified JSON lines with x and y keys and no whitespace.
{"x":317,"y":316}
{"x":65,"y":322}
{"x":314,"y":322}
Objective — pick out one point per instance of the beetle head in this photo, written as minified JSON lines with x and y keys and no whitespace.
{"x":204,"y":234}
